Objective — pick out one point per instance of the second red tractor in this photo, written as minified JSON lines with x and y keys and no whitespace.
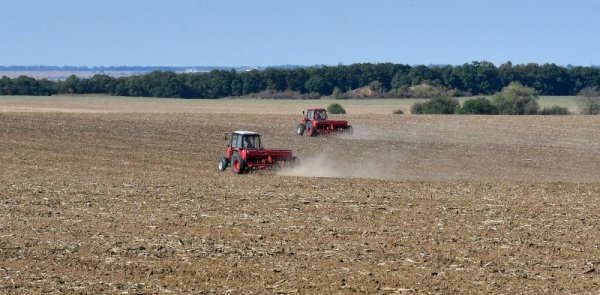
{"x":315,"y":121}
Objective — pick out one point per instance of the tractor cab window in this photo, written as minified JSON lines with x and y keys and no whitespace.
{"x":320,"y":115}
{"x":236,"y":141}
{"x":251,"y":141}
{"x":309,"y":114}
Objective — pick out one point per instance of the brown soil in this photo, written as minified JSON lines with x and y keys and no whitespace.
{"x":132,"y":203}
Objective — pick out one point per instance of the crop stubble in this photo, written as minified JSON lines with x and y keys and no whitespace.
{"x":133,"y":202}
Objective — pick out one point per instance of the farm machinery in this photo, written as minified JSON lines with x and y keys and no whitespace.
{"x":245,"y":153}
{"x":315,"y":121}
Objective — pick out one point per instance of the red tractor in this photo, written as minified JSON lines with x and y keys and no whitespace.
{"x":246,"y":153}
{"x":315,"y":121}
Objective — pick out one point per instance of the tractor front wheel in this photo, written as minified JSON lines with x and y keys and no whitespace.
{"x":237,"y":164}
{"x":300,"y":129}
{"x":310,"y":130}
{"x":223,"y":164}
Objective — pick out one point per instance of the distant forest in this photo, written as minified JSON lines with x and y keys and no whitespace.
{"x":386,"y":79}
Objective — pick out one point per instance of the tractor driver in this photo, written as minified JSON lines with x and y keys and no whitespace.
{"x":320,"y":115}
{"x":247,"y":143}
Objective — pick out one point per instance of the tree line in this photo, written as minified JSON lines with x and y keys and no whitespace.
{"x":514,"y":99}
{"x":475,"y":78}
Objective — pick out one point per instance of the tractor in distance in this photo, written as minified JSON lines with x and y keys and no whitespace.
{"x":245,"y":153}
{"x":315,"y":121}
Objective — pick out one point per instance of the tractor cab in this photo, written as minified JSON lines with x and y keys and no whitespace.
{"x":245,"y":140}
{"x":315,"y":114}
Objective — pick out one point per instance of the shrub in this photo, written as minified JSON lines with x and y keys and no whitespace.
{"x":417,"y":108}
{"x":336,"y":108}
{"x":527,"y":106}
{"x":478,"y":106}
{"x":398,"y":112}
{"x":516,"y":99}
{"x":442,"y":105}
{"x":554,"y":110}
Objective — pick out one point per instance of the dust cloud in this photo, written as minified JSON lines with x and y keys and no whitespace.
{"x":325,"y":165}
{"x":366,"y":133}
{"x":336,"y":163}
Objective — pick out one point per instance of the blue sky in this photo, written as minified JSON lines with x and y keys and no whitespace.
{"x":308,"y":32}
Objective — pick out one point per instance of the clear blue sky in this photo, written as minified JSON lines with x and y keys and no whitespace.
{"x":307,"y":32}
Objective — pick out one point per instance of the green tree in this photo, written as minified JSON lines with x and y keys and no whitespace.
{"x":274,"y":79}
{"x":5,"y":86}
{"x":237,"y":87}
{"x":450,"y":78}
{"x":376,"y":86}
{"x":341,"y":77}
{"x":25,"y":85}
{"x":479,"y":77}
{"x":516,"y":99}
{"x":100,"y":83}
{"x":506,"y":74}
{"x":553,"y":80}
{"x":252,"y":81}
{"x":400,"y":80}
{"x":420,"y":74}
{"x":135,"y":86}
{"x":219,"y":84}
{"x":581,"y":77}
{"x":161,"y":84}
{"x":120,"y":87}
{"x":316,"y":84}
{"x":72,"y":85}
{"x":295,"y":80}
{"x":589,"y":101}
{"x":194,"y":85}
{"x":337,"y":93}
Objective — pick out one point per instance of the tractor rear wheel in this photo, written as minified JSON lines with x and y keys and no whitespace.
{"x":310,"y":130}
{"x":300,"y":129}
{"x":237,"y":164}
{"x":223,"y":164}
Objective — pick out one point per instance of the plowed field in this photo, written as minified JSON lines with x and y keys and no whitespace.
{"x":131,"y":202}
